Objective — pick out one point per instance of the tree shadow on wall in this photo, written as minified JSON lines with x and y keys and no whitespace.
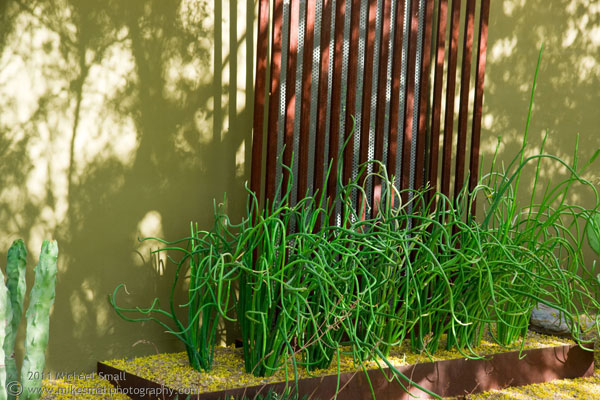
{"x":566,"y":98}
{"x":137,"y":121}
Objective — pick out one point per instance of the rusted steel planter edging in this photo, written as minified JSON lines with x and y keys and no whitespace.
{"x":447,"y":378}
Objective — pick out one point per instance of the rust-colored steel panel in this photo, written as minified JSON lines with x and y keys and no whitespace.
{"x":306,"y":92}
{"x":368,"y":82}
{"x":424,"y":97}
{"x":291,"y":92}
{"x":410,"y":95}
{"x":351,"y":87}
{"x":463,"y":113}
{"x":320,"y":156}
{"x":381,"y":92}
{"x":450,"y":92}
{"x":436,"y":106}
{"x":274,"y":99}
{"x":478,"y":104}
{"x":260,"y":96}
{"x":336,"y":100}
{"x":367,"y":92}
{"x":428,"y":128}
{"x":396,"y":70}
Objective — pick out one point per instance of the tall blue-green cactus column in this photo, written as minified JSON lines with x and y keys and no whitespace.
{"x":16,"y":285}
{"x":38,"y":321}
{"x":5,"y":315}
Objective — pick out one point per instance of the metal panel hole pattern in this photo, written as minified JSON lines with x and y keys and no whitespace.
{"x":396,"y":75}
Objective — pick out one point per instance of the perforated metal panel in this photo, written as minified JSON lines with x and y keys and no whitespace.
{"x":282,"y":94}
{"x":298,"y":104}
{"x":403,"y":88}
{"x":374,"y":95}
{"x":344,"y":92}
{"x":328,"y":115}
{"x":388,"y":87}
{"x":356,"y":139}
{"x":415,"y":116}
{"x":376,"y":66}
{"x":314,"y":94}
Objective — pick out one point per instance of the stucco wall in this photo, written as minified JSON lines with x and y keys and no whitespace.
{"x":118,"y":120}
{"x":123,"y":119}
{"x":567,"y":97}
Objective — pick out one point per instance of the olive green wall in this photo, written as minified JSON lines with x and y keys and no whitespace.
{"x":567,"y":98}
{"x":121,"y":119}
{"x":118,"y":119}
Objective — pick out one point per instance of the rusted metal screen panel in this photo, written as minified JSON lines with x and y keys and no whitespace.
{"x":467,"y":53}
{"x":415,"y":52}
{"x":424,"y":96}
{"x":322,"y":106}
{"x":478,"y":103}
{"x":380,"y":127}
{"x":371,"y":39}
{"x":305,"y":168}
{"x":260,"y":97}
{"x":372,"y":74}
{"x":450,"y":94}
{"x":438,"y":79}
{"x":274,"y":94}
{"x":290,"y":114}
{"x":398,"y":26}
{"x":338,"y":53}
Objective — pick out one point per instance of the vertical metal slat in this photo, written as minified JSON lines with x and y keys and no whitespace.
{"x":336,"y":117}
{"x":361,"y":86}
{"x":325,"y":84}
{"x":450,"y":92}
{"x":436,"y":106}
{"x":427,"y":18}
{"x":303,"y":95}
{"x":410,"y":105}
{"x":290,"y":98}
{"x":402,"y":111}
{"x":463,"y":113}
{"x":273,"y":170}
{"x":396,"y":99}
{"x":370,"y":89}
{"x":384,"y":82}
{"x":259,"y":98}
{"x":351,"y":95}
{"x":478,"y":104}
{"x":314,"y":23}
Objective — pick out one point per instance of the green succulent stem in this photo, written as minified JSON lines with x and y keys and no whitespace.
{"x":38,"y":321}
{"x":17,"y":286}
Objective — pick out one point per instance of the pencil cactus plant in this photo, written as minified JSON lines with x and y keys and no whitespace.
{"x":12,"y":296}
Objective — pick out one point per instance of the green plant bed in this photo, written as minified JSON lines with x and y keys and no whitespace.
{"x":173,"y":371}
{"x":302,"y":278}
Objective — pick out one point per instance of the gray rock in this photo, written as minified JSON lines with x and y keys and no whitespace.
{"x":549,"y":321}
